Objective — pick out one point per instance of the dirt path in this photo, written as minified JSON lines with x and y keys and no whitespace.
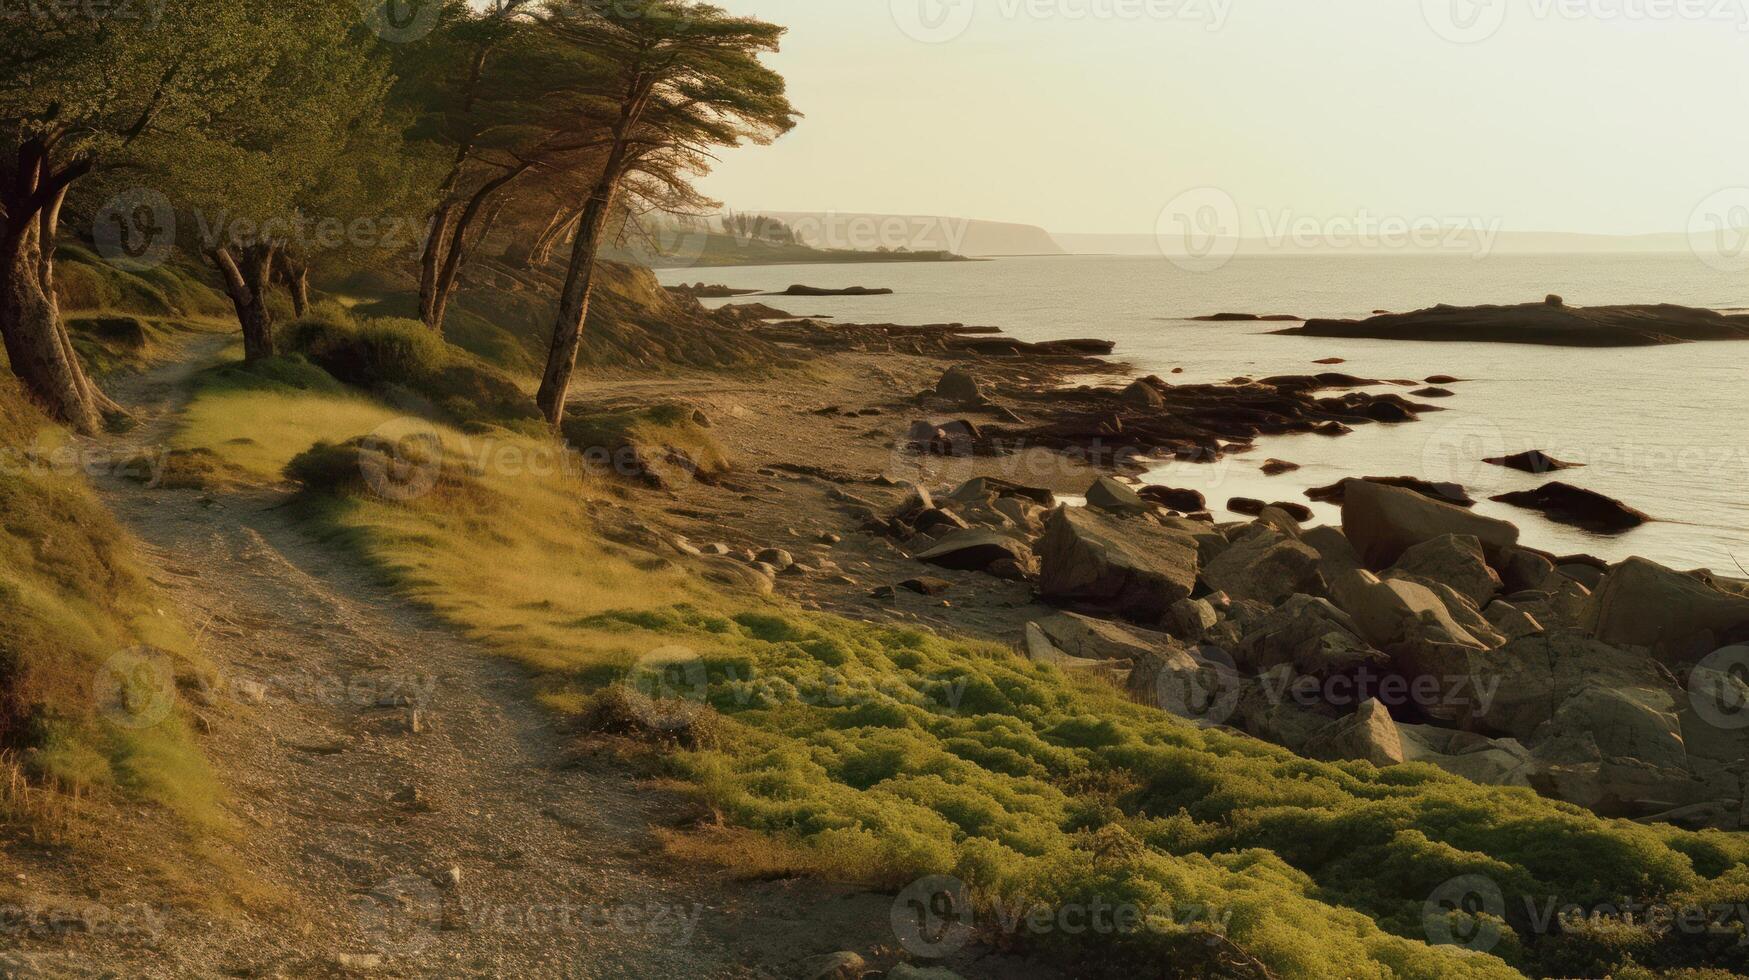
{"x":400,"y":786}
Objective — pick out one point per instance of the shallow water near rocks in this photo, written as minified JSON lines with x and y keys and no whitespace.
{"x":1664,"y":429}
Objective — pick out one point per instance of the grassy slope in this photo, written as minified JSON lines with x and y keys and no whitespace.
{"x":1022,"y":784}
{"x":92,"y":666}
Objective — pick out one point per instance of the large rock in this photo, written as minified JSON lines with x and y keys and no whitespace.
{"x":1679,"y":617}
{"x":1309,"y":634}
{"x":735,"y":575}
{"x":1183,"y":501}
{"x":1524,"y":684}
{"x":1384,"y":522}
{"x":1564,"y":503}
{"x":1039,"y":649}
{"x":959,"y":386}
{"x":1456,"y":561}
{"x":1109,"y":495}
{"x":1265,"y":566}
{"x":1205,"y":691}
{"x":1368,"y":735}
{"x":1491,"y":762}
{"x":1131,"y":567}
{"x":976,"y":550}
{"x":1100,"y":639}
{"x":1141,"y":394}
{"x":1397,"y":612}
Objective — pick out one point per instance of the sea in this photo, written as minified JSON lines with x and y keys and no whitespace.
{"x":1664,"y":429}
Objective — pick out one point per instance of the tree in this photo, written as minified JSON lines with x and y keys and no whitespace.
{"x":683,"y":80}
{"x":305,"y":167}
{"x":79,"y":93}
{"x":478,"y":95}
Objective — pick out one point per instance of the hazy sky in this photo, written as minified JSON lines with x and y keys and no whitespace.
{"x":1612,"y":116}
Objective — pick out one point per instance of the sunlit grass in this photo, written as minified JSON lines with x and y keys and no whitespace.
{"x":875,"y":754}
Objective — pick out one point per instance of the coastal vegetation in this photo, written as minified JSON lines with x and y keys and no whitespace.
{"x":176,"y":331}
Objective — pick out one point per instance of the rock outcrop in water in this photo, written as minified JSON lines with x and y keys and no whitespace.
{"x":1568,"y":504}
{"x":1542,"y":323}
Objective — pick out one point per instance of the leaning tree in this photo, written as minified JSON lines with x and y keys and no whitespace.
{"x":679,"y":80}
{"x":83,"y":89}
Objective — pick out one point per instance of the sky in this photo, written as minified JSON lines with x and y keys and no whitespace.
{"x":1096,"y":116}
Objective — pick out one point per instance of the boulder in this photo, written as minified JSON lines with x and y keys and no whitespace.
{"x":1535,"y":462}
{"x":1368,"y":735}
{"x":936,"y":521}
{"x":775,"y":557}
{"x":984,"y":488}
{"x":1040,"y":649}
{"x":1398,"y":612}
{"x":1099,"y":639}
{"x":1681,"y":618}
{"x":1456,"y":561}
{"x":1183,"y":501}
{"x":1510,"y":621}
{"x":960,"y":387}
{"x":1248,"y":506}
{"x":735,"y":575}
{"x":1265,"y":566}
{"x":1335,"y":554}
{"x":1276,"y":467}
{"x":1268,"y":713}
{"x":1190,"y":619}
{"x":1523,"y":570}
{"x":976,"y":550}
{"x":1174,"y":680}
{"x":1144,"y":395}
{"x":1533,"y":677}
{"x":1109,"y":495}
{"x":1021,"y":512}
{"x":1447,"y":493}
{"x":1384,"y":522}
{"x":1310,"y":635}
{"x":1132,"y":567}
{"x":925,"y":585}
{"x":1564,"y":503}
{"x":1488,"y":761}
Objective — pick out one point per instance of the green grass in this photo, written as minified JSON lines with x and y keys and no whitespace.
{"x":877,"y":755}
{"x":74,"y":599}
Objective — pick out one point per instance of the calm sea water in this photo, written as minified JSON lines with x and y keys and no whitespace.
{"x":1664,"y":429}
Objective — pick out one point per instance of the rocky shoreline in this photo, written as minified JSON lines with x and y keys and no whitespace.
{"x":1414,"y":631}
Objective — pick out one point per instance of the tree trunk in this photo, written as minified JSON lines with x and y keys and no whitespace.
{"x":460,"y":246}
{"x":560,"y":230}
{"x":246,"y":282}
{"x":431,"y":263}
{"x":574,"y":299}
{"x":37,"y":344}
{"x":295,"y":276}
